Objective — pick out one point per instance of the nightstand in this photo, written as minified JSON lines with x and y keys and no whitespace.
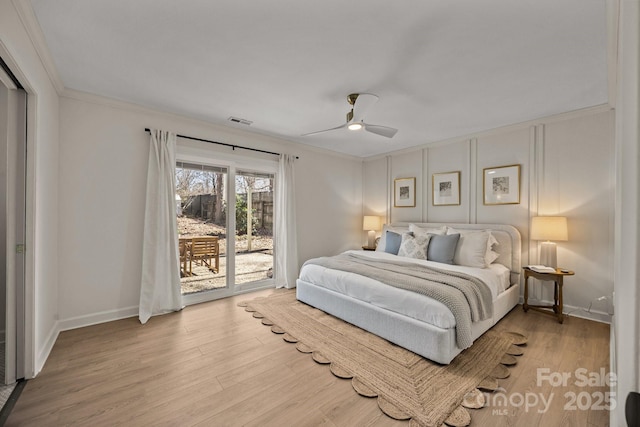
{"x":367,"y":248}
{"x":557,"y":279}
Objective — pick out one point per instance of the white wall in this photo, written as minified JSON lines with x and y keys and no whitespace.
{"x":329,"y":203}
{"x":103,"y":167}
{"x":567,"y":169}
{"x":18,"y":51}
{"x":578,"y":182}
{"x":374,"y":178}
{"x":4,"y":140}
{"x":625,"y":336}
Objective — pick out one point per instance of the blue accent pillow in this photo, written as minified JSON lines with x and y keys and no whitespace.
{"x":392,"y":242}
{"x":442,"y":248}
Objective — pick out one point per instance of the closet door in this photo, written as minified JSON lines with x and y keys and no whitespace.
{"x":13,"y":108}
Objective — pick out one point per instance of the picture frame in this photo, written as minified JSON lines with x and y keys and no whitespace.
{"x":445,"y":188}
{"x":404,"y":192}
{"x":501,"y":185}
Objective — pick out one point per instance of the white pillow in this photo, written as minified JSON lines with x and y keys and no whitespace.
{"x":474,"y":248}
{"x":414,"y":245}
{"x":491,"y":255}
{"x":441,"y":231}
{"x":383,"y":236}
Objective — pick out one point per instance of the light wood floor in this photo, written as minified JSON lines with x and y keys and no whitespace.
{"x":213,"y":364}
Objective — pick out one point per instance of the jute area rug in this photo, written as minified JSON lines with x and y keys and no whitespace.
{"x":407,"y":386}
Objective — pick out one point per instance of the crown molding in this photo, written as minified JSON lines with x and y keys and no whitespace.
{"x":111,"y":102}
{"x":292,"y":146}
{"x":32,"y":27}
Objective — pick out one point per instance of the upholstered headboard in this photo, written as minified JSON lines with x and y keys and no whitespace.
{"x":509,"y":245}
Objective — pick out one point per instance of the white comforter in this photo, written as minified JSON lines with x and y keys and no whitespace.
{"x":398,"y":300}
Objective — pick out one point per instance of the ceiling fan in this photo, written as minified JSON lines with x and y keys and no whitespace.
{"x":355,"y":118}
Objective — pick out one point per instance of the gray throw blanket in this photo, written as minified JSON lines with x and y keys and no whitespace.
{"x":468,"y":297}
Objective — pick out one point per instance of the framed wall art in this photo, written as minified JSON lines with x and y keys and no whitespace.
{"x":404,"y":192}
{"x":445,"y":188}
{"x":501,"y":185}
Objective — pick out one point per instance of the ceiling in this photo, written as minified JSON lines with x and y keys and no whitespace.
{"x":441,"y":68}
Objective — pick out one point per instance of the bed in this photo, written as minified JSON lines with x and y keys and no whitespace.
{"x":412,"y":320}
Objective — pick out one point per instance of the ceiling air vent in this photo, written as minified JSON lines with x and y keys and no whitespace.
{"x":240,"y":121}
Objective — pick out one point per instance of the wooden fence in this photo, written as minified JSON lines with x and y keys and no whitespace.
{"x":203,"y":206}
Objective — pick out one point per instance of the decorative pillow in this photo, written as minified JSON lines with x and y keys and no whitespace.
{"x":491,"y":255}
{"x":392,"y":242}
{"x":442,"y":248}
{"x":383,"y":236}
{"x":474,"y":249}
{"x":415,"y":229}
{"x":414,"y":246}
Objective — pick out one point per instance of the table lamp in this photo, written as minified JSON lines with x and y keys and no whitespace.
{"x":371,"y":224}
{"x":548,"y":228}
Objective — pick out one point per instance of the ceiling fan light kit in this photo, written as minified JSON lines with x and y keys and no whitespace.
{"x":355,"y":118}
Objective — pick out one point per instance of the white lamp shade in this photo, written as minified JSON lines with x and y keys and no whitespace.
{"x":552,"y":228}
{"x":371,"y":223}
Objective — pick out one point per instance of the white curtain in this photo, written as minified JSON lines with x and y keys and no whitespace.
{"x":160,"y":288}
{"x":285,"y":243}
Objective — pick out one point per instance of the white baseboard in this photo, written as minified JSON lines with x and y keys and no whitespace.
{"x":96,"y":318}
{"x":596,"y":315}
{"x":74,"y":323}
{"x":43,"y":355}
{"x":572,"y":311}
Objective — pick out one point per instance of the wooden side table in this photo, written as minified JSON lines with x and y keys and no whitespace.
{"x":557,"y":278}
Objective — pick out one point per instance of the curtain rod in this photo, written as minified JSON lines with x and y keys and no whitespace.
{"x":233,"y":146}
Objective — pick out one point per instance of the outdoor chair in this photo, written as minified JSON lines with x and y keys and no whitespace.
{"x":183,"y":249}
{"x":205,"y":250}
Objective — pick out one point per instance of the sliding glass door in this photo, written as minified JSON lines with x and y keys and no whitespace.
{"x":254,"y":227}
{"x":201,"y":215}
{"x":225,"y":228}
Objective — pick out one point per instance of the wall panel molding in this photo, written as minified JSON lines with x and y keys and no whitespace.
{"x":426,"y":177}
{"x":536,"y":182}
{"x":563,"y":171}
{"x":389,"y":188}
{"x":472,"y":181}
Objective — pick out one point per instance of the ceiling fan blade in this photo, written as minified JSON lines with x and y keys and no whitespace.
{"x":381,"y":130}
{"x":361,"y":102}
{"x":362,"y":105}
{"x":325,"y":130}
